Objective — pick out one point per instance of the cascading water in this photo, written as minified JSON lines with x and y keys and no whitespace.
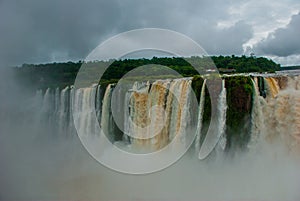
{"x":84,"y":109}
{"x":273,"y":87}
{"x":63,"y":110}
{"x":257,"y":124}
{"x":222,"y":108}
{"x":158,"y":112}
{"x":282,"y":113}
{"x":275,"y":117}
{"x":154,"y":113}
{"x":200,"y":117}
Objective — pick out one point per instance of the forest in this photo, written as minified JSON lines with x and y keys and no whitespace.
{"x":64,"y":74}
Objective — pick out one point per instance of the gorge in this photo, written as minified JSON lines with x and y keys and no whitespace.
{"x":254,"y":107}
{"x":149,"y":101}
{"x":255,"y":158}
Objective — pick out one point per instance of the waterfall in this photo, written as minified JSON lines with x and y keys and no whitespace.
{"x":137,"y":112}
{"x":257,"y":121}
{"x":71,"y":108}
{"x":272,"y":86}
{"x":255,"y":141}
{"x":154,"y":113}
{"x":157,"y":113}
{"x":63,"y":110}
{"x":98,"y":102}
{"x":222,"y":108}
{"x":106,"y":118}
{"x":200,"y":117}
{"x":81,"y":107}
{"x":216,"y":136}
{"x":177,"y":106}
{"x":277,"y":117}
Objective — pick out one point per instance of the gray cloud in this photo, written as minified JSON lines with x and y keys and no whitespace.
{"x":41,"y":31}
{"x":37,"y":31}
{"x":227,"y":40}
{"x":283,"y":42}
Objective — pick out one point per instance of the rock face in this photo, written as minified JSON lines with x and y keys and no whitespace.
{"x":243,"y":102}
{"x":239,"y":100}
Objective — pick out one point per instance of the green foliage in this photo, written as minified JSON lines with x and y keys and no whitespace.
{"x":245,"y":64}
{"x":197,"y":83}
{"x":239,"y":101}
{"x":64,"y":74}
{"x":290,"y":68}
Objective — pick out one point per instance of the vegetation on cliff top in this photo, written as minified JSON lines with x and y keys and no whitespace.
{"x":64,"y":74}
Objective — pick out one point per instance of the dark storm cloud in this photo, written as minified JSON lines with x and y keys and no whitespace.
{"x":197,"y":19}
{"x":42,"y":31}
{"x":284,"y":41}
{"x":227,"y":40}
{"x":37,"y":31}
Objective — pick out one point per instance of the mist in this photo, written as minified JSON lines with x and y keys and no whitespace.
{"x":38,"y":164}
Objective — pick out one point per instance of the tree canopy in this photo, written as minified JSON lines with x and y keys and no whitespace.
{"x":64,"y":74}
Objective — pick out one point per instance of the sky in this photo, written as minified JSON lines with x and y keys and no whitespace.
{"x":39,"y":31}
